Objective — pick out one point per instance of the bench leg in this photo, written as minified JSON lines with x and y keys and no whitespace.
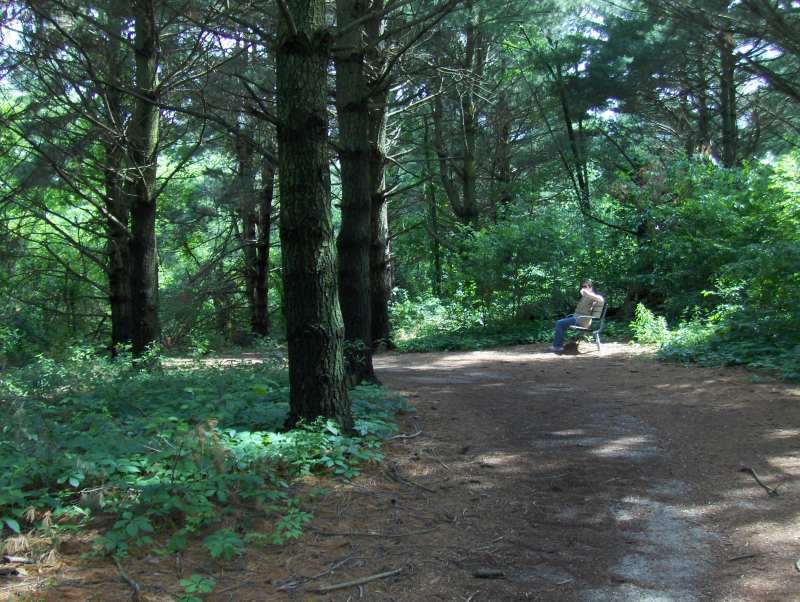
{"x":597,"y":340}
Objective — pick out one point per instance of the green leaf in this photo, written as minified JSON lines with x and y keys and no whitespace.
{"x":12,"y":524}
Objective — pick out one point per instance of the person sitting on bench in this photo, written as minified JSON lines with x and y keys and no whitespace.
{"x":582,"y":316}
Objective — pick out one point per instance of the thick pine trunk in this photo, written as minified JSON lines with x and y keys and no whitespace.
{"x":380,"y":259}
{"x":353,"y":243}
{"x":260,"y":315}
{"x":315,"y":332}
{"x":381,"y":278}
{"x":143,"y":140}
{"x":116,"y":202}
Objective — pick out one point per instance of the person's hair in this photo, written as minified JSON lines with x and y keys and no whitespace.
{"x":588,"y":282}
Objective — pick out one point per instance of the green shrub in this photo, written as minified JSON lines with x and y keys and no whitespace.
{"x":648,"y":328}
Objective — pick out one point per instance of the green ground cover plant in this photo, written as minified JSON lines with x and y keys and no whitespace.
{"x":170,"y":454}
{"x":731,"y":336}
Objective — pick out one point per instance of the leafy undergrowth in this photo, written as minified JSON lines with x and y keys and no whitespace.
{"x":483,"y":337}
{"x":476,"y":337}
{"x":758,"y":342}
{"x":165,"y":456}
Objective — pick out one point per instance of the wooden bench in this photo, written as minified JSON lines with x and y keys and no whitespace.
{"x":598,"y":324}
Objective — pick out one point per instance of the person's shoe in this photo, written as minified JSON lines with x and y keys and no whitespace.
{"x":554,"y":349}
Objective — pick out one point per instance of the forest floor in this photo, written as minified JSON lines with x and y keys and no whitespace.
{"x":524,"y":475}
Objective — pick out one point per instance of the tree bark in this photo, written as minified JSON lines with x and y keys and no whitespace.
{"x":474,"y":64}
{"x":381,"y":276}
{"x":380,"y":254}
{"x":433,"y":213}
{"x":727,"y":103}
{"x":445,"y":171}
{"x":143,"y":140}
{"x":315,"y":332}
{"x":353,"y":244}
{"x":116,"y":201}
{"x":245,"y":190}
{"x":260,"y":316}
{"x":502,"y":172}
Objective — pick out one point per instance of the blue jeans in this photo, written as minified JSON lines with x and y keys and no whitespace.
{"x":561,"y":327}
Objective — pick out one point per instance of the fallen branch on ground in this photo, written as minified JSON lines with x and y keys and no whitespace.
{"x":769,"y":490}
{"x":128,"y":580}
{"x":742,"y":557}
{"x":405,"y":436}
{"x":488,"y":574}
{"x":17,"y":559}
{"x":294,"y":584}
{"x":392,"y":473}
{"x":329,"y":588}
{"x":370,"y":533}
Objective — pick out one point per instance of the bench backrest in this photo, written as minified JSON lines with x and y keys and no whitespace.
{"x":599,"y":311}
{"x":599,"y":316}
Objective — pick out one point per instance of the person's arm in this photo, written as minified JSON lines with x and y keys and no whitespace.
{"x":592,"y":295}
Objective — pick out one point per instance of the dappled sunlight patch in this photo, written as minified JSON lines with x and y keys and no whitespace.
{"x":536,"y":354}
{"x":627,"y":447}
{"x":498,"y":460}
{"x":783,"y":433}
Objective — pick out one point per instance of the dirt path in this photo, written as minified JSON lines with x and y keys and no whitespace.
{"x":541,"y":477}
{"x":607,"y":477}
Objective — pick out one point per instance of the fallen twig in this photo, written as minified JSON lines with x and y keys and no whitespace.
{"x":405,"y":436}
{"x":294,"y":584}
{"x":371,"y":533}
{"x":392,"y":474}
{"x":769,"y":490}
{"x":490,"y":544}
{"x":742,"y":557}
{"x":488,"y":574}
{"x":128,"y":580}
{"x":329,"y":588}
{"x":17,"y":559}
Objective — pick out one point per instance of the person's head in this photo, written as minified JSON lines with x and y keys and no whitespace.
{"x":587,"y":284}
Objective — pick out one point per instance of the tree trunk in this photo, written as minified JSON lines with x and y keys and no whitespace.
{"x":502,"y":174}
{"x":353,"y":244}
{"x":445,"y":171}
{"x":116,"y":201}
{"x":315,"y":332}
{"x":433,"y":213}
{"x":260,"y":316}
{"x":245,"y":189}
{"x":380,"y":255}
{"x":474,"y":64}
{"x":117,"y":248}
{"x":727,"y":105}
{"x":380,"y":262}
{"x":703,"y":112}
{"x":143,"y":140}
{"x":575,"y":142}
